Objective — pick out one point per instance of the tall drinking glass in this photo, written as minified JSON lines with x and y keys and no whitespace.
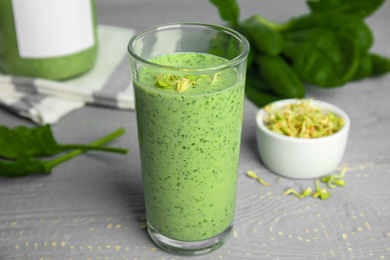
{"x":189,"y":90}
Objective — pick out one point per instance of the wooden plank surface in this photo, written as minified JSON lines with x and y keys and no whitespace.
{"x":92,"y":207}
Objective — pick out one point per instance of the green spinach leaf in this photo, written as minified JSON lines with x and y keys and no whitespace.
{"x":23,"y":168}
{"x":380,"y":64}
{"x":229,"y":11}
{"x":223,"y":46}
{"x":22,"y":141}
{"x":365,"y":68}
{"x":328,"y":47}
{"x":363,"y":8}
{"x":264,"y":38}
{"x":372,"y":65}
{"x":321,"y":57}
{"x":260,"y":98}
{"x":348,"y":25}
{"x":21,"y":145}
{"x":277,"y":74}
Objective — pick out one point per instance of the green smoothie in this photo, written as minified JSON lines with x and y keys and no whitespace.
{"x":189,"y":147}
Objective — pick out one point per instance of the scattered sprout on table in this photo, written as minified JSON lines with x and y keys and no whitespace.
{"x":253,"y":175}
{"x":321,"y":193}
{"x":307,"y":192}
{"x":335,"y":180}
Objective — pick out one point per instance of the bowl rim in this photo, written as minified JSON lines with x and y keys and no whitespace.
{"x":322,"y":105}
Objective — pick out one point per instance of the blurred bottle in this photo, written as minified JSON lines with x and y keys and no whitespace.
{"x":52,"y":39}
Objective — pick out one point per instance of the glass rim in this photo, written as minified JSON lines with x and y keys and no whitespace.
{"x":230,"y":63}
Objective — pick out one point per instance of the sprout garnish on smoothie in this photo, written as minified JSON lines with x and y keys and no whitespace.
{"x":182,"y":83}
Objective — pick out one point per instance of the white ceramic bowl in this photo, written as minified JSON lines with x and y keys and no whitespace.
{"x":302,"y":158}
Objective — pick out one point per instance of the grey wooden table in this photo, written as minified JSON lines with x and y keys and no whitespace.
{"x":92,"y":207}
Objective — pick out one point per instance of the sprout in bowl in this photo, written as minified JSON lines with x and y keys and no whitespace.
{"x":297,"y":147}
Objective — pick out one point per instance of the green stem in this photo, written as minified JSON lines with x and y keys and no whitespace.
{"x":293,"y":192}
{"x":318,"y":188}
{"x":51,"y":164}
{"x":275,"y":26}
{"x":93,"y":147}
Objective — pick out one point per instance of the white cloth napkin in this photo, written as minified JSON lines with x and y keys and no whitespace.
{"x":108,"y":83}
